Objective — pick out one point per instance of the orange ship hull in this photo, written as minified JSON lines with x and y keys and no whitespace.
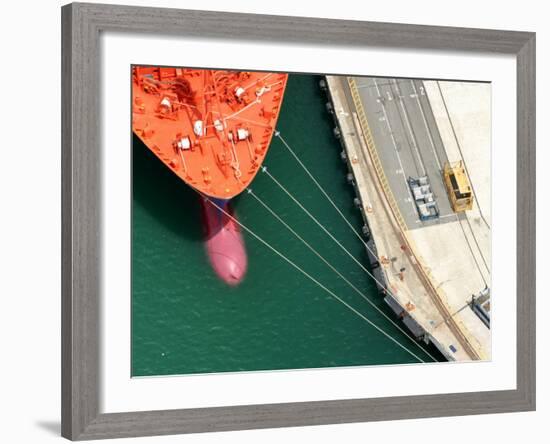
{"x":212,"y":128}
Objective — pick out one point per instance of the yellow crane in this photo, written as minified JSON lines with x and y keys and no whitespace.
{"x":458,"y":186}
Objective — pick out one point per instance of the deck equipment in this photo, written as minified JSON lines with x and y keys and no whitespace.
{"x":212,"y":128}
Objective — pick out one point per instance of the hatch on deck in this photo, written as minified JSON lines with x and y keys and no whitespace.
{"x":458,"y":187}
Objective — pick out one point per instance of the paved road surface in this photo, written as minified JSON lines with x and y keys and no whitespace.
{"x":408,"y":141}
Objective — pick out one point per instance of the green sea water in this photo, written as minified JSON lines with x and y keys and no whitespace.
{"x":185,"y":320}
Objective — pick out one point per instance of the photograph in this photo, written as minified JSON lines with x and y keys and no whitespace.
{"x":286,"y":221}
{"x":266,"y":222}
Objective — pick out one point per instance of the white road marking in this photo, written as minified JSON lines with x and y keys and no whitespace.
{"x":409,"y":127}
{"x":394,"y":143}
{"x":427,"y":128}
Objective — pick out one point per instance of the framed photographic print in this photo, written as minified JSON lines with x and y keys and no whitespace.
{"x":278,"y":221}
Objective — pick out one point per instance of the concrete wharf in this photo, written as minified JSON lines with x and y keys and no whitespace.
{"x":392,"y":130}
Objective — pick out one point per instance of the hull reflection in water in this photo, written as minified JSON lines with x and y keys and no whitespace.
{"x":224,"y":241}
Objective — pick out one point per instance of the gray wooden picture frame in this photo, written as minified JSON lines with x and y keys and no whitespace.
{"x":81,"y":234}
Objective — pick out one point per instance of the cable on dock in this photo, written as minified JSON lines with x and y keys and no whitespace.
{"x":461,"y":155}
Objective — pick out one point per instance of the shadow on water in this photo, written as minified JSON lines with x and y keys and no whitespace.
{"x":163,"y":194}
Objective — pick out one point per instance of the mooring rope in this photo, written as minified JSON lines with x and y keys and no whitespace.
{"x":333,"y":204}
{"x":331,"y":201}
{"x":328,"y":264}
{"x":306,"y":274}
{"x":320,"y":188}
{"x":328,"y":233}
